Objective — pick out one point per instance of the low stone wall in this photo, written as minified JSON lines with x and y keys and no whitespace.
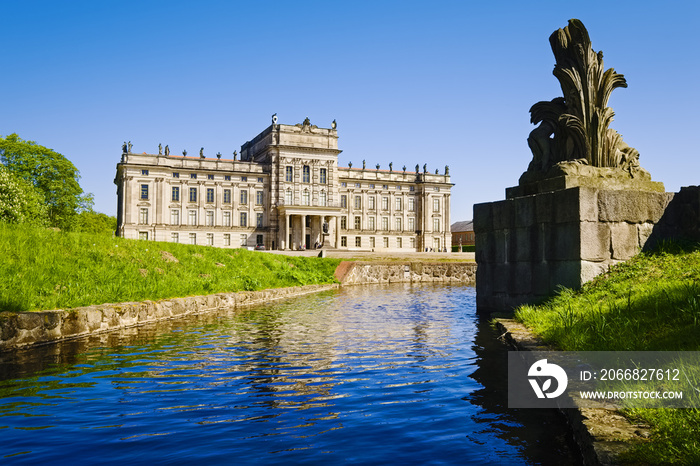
{"x":34,"y":328}
{"x":601,"y":432}
{"x":356,"y":273}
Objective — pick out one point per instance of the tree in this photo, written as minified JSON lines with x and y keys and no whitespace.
{"x":20,"y":202}
{"x":49,"y":172}
{"x":90,"y":221}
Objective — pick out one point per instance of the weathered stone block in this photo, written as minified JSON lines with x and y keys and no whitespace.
{"x":624,"y":240}
{"x":502,"y":213}
{"x":595,"y":241}
{"x":562,"y":241}
{"x":590,"y":270}
{"x":29,"y":320}
{"x":544,"y":208}
{"x":565,"y":274}
{"x":588,"y":204}
{"x":484,"y":247}
{"x":521,"y":278}
{"x":631,"y":206}
{"x":501,"y":277}
{"x":524,"y":210}
{"x":523,"y":247}
{"x":483,"y":217}
{"x":500,"y":245}
{"x":644,"y":231}
{"x":566,"y":206}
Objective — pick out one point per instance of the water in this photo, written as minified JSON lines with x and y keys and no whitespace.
{"x":393,"y":374}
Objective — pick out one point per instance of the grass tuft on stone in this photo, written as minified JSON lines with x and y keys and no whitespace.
{"x":44,"y":269}
{"x":649,"y":303}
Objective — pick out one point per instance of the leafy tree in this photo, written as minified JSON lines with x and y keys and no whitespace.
{"x":20,"y":202}
{"x":51,"y":173}
{"x":90,"y":221}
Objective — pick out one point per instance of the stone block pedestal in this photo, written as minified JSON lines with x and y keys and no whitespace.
{"x":528,"y":246}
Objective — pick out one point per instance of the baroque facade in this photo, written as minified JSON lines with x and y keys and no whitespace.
{"x":286,"y":192}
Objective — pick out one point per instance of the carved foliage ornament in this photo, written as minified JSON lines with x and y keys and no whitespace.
{"x":575,"y":127}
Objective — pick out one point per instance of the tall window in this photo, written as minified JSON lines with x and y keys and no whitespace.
{"x":358,"y":223}
{"x":175,"y":194}
{"x":399,"y":224}
{"x":175,"y":237}
{"x":411,"y":204}
{"x":144,"y":192}
{"x":143,"y":216}
{"x":370,"y":223}
{"x":174,"y":217}
{"x":398,"y":203}
{"x":288,"y":197}
{"x":370,"y":202}
{"x":227,"y":196}
{"x":412,"y":241}
{"x":436,"y":224}
{"x":244,"y":196}
{"x":289,"y":174}
{"x":436,"y":204}
{"x":244,"y":240}
{"x":244,"y":219}
{"x":385,"y":240}
{"x":227,"y":219}
{"x":343,"y":241}
{"x":307,"y":174}
{"x":436,"y":243}
{"x":259,"y":220}
{"x":193,"y":194}
{"x":358,"y":202}
{"x":343,"y":200}
{"x":193,"y":238}
{"x":192,"y":217}
{"x":227,"y":239}
{"x":371,"y":241}
{"x":358,"y":241}
{"x":210,"y":218}
{"x":385,"y":223}
{"x":210,"y":239}
{"x":411,"y":224}
{"x":306,"y":197}
{"x":322,"y":176}
{"x":322,"y":198}
{"x":143,"y":235}
{"x":210,"y":195}
{"x":385,"y":203}
{"x":343,"y":223}
{"x":258,"y":197}
{"x":399,"y":242}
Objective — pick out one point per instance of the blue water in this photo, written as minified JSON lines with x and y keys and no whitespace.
{"x":393,"y":374}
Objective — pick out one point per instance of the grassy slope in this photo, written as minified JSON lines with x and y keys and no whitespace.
{"x":45,"y":269}
{"x":652,"y":302}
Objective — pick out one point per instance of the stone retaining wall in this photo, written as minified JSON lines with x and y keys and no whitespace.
{"x":356,"y":273}
{"x":34,"y":328}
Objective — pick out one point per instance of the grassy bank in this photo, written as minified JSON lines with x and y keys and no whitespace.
{"x":651,"y":302}
{"x":44,"y":269}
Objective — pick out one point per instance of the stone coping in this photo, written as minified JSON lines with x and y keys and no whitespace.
{"x":600,"y":431}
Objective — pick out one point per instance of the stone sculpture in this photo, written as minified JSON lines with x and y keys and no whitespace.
{"x":184,"y":152}
{"x":425,"y":168}
{"x":167,"y":150}
{"x":235,"y":155}
{"x":364,"y":164}
{"x":349,"y":164}
{"x":201,"y":153}
{"x":447,"y":170}
{"x":274,"y":118}
{"x":334,"y":125}
{"x":573,"y":130}
{"x":417,"y":168}
{"x":391,"y":166}
{"x":378,"y":166}
{"x":218,"y":155}
{"x":124,"y":147}
{"x":160,"y":149}
{"x":130,"y":146}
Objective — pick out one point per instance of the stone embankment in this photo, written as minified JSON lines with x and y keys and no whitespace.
{"x":24,"y":329}
{"x":356,"y":273}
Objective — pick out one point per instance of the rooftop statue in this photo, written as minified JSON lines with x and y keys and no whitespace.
{"x":167,"y":150}
{"x":573,"y":130}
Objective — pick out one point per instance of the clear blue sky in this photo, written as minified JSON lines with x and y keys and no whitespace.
{"x":442,"y":83}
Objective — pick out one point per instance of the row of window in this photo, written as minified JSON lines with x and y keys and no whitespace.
{"x":305,"y":174}
{"x":305,"y":198}
{"x":193,"y":192}
{"x":209,"y":219}
{"x":372,"y":242}
{"x":371,"y":203}
{"x":398,"y":187}
{"x":398,"y":223}
{"x":209,"y":176}
{"x":175,"y":238}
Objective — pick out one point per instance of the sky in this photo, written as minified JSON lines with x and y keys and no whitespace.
{"x":408,"y":82}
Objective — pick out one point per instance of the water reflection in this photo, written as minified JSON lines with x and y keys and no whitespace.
{"x":363,"y":374}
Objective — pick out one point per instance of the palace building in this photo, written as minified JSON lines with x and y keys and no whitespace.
{"x":286,"y":192}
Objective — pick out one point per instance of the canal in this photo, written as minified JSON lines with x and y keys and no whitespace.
{"x":364,"y":374}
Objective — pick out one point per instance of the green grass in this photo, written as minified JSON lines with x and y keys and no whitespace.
{"x":44,"y":269}
{"x":650,"y":303}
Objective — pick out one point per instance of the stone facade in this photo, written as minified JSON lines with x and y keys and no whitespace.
{"x":356,"y":273}
{"x":286,"y":192}
{"x":528,"y":246}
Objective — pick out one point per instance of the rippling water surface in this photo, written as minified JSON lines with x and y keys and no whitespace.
{"x":394,"y":374}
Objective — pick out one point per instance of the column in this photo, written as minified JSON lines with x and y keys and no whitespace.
{"x":303,"y":231}
{"x":285,"y":231}
{"x":337,"y":232}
